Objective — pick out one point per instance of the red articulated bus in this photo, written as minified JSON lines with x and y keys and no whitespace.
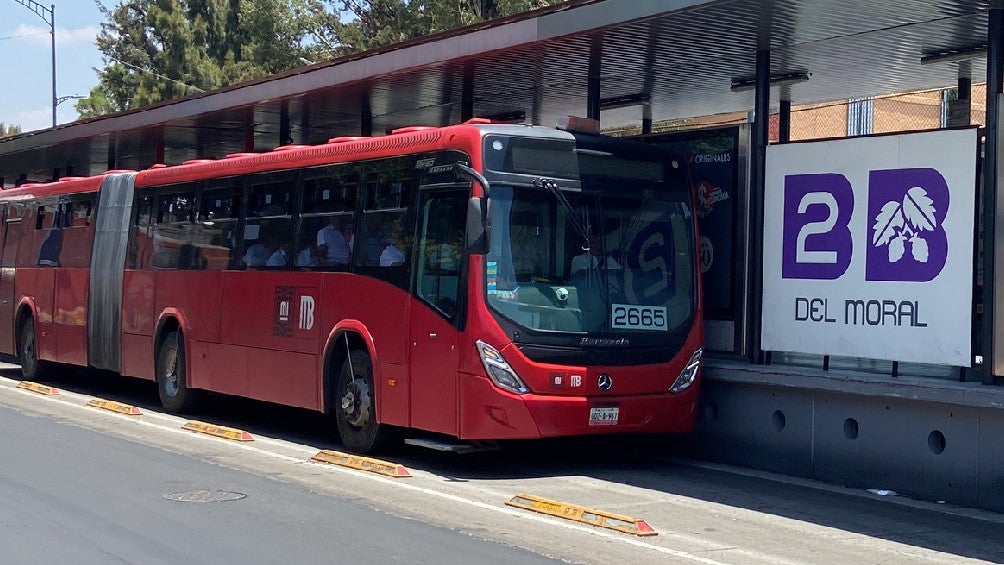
{"x":482,"y":281}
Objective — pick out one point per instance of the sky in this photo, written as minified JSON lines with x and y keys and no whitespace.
{"x":26,"y":60}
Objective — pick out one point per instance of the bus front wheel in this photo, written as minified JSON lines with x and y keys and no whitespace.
{"x":31,"y":367}
{"x":355,"y":406}
{"x":175,"y":395}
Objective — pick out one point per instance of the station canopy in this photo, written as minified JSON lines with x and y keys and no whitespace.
{"x":683,"y":58}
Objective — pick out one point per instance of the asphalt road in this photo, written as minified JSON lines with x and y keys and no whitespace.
{"x":73,"y":495}
{"x":83,"y":485}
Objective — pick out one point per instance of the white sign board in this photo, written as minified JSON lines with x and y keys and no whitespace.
{"x":868,"y":247}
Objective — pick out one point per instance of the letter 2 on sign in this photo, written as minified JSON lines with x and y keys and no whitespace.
{"x":817,"y":241}
{"x":306,"y":312}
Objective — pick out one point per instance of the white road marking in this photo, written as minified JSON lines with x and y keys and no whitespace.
{"x":65,"y":399}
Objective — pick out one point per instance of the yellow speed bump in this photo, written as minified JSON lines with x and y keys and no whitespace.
{"x":113,"y":406}
{"x":40,"y":389}
{"x":361,"y":463}
{"x":218,"y":431}
{"x":590,"y":516}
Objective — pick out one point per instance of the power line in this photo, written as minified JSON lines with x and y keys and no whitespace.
{"x":158,"y":75}
{"x":25,"y":35}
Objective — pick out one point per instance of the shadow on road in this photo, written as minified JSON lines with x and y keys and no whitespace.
{"x":640,"y":461}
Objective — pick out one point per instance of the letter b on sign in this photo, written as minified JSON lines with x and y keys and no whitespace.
{"x":906,"y":213}
{"x":816,"y":240}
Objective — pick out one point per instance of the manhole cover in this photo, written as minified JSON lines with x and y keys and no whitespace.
{"x":205,"y":496}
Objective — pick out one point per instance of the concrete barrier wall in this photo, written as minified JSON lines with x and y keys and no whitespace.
{"x":928,"y":439}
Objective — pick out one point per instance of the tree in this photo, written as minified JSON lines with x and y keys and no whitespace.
{"x":162,"y":49}
{"x":376,"y":23}
{"x":157,"y":50}
{"x":9,"y":130}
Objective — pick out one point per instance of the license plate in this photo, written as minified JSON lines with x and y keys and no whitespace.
{"x":605,"y":416}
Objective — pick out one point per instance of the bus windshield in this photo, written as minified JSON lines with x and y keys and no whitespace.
{"x":616,"y":256}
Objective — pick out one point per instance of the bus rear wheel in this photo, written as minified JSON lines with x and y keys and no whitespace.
{"x":172,"y":384}
{"x":31,"y":367}
{"x":355,"y":406}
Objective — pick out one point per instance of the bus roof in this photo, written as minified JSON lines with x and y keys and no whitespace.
{"x":414,"y":139}
{"x":339,"y":149}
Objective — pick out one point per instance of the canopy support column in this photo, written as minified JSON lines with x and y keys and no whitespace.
{"x":758,"y":167}
{"x":467,"y":93}
{"x":784,"y":122}
{"x":593,"y":81}
{"x":365,"y":116}
{"x":993,"y":229}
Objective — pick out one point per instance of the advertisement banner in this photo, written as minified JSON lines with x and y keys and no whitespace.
{"x":712,"y":157}
{"x":868,"y":247}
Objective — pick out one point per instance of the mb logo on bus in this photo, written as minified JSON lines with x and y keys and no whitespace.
{"x":306,"y":312}
{"x":282,"y":323}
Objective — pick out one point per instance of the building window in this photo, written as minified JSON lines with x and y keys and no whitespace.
{"x":860,"y":113}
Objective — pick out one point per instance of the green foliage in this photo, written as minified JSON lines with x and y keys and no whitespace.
{"x":9,"y":130}
{"x":376,"y":23}
{"x":157,"y":50}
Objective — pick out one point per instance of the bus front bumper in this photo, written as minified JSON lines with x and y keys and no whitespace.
{"x":490,"y":413}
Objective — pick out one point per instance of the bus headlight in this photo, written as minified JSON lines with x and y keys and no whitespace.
{"x":498,"y":370}
{"x":688,"y":374}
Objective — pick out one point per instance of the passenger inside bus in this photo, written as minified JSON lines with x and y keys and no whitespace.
{"x":332,"y":245}
{"x":279,"y":256}
{"x":392,"y":255}
{"x":307,"y":257}
{"x":373,"y":239}
{"x":256,"y":255}
{"x":272,"y":254}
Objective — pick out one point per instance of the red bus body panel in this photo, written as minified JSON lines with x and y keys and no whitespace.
{"x":271,"y":335}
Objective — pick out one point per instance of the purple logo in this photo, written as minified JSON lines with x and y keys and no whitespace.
{"x":906,"y":210}
{"x":816,"y":239}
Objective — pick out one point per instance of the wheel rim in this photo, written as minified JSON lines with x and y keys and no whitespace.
{"x":356,"y":402}
{"x":170,"y":376}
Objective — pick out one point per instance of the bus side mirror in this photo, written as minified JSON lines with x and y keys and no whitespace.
{"x":478,"y":224}
{"x":478,"y":227}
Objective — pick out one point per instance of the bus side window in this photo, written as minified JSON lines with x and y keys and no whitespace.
{"x":268,"y":234}
{"x":440,"y":250}
{"x":43,"y":217}
{"x":140,"y":252}
{"x":49,"y":234}
{"x":172,"y":235}
{"x":27,"y":253}
{"x":12,"y":235}
{"x":331,"y":190}
{"x":83,"y":211}
{"x":327,"y":228}
{"x":75,"y":218}
{"x":390,"y":186}
{"x":216,"y":231}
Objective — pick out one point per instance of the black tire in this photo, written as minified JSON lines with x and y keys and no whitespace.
{"x":31,"y":367}
{"x":172,"y":384}
{"x":355,"y":407}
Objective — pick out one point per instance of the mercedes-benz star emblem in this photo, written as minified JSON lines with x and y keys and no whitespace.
{"x":605,"y":382}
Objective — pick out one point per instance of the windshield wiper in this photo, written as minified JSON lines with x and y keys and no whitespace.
{"x":570,"y":215}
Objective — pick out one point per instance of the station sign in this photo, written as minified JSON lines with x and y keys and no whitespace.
{"x":868,"y":247}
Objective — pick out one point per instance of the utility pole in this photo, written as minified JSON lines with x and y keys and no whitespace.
{"x":48,"y":16}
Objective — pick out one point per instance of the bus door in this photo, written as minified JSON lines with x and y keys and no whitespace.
{"x":438,"y":288}
{"x":7,"y":298}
